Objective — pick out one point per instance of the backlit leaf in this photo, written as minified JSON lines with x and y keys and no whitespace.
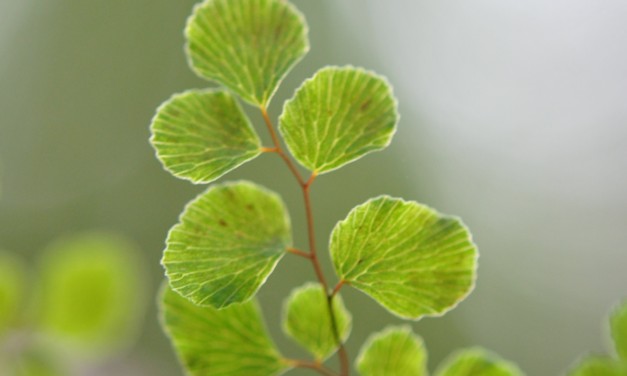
{"x":338,"y":116}
{"x":599,"y":366}
{"x":394,"y":351}
{"x":405,"y":255}
{"x":92,"y":293}
{"x":306,"y":319}
{"x":227,"y":242}
{"x":201,"y":135}
{"x":227,"y":342}
{"x":12,"y":289}
{"x":246,"y":45}
{"x":477,"y":362}
{"x":618,"y":325}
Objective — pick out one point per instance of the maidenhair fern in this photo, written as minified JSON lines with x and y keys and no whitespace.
{"x":411,"y":259}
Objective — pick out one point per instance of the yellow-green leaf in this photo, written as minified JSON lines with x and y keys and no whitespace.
{"x":12,"y":289}
{"x":477,"y":362}
{"x":306,"y":319}
{"x":618,"y":325}
{"x":409,"y":258}
{"x":227,"y":342}
{"x":246,"y":45}
{"x":92,"y":293}
{"x":226,"y":244}
{"x":338,"y":116}
{"x":200,"y":135}
{"x":395,"y":351}
{"x":599,"y":366}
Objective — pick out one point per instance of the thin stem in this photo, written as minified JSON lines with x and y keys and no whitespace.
{"x":321,"y":369}
{"x":268,"y":150}
{"x":312,"y":255}
{"x":298,"y":252}
{"x":279,"y":150}
{"x":311,"y":234}
{"x":342,"y":354}
{"x":337,"y":288}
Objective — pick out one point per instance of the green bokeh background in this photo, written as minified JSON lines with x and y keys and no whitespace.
{"x":80,"y":81}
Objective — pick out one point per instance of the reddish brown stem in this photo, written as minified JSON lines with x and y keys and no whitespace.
{"x":312,"y":255}
{"x":300,"y":253}
{"x":279,"y":149}
{"x":337,"y":288}
{"x":312,"y":365}
{"x":268,"y":150}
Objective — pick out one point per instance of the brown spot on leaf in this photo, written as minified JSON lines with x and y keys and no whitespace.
{"x":364,"y":106}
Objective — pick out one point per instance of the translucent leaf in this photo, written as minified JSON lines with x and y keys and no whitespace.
{"x":92,"y":293}
{"x":226,"y":244}
{"x":230,"y":341}
{"x":393,"y":351}
{"x":477,"y":362}
{"x":618,"y":325}
{"x":406,"y":256}
{"x":306,"y":319}
{"x":201,"y":135}
{"x":338,"y":116}
{"x":599,"y":366}
{"x":246,"y":45}
{"x":12,"y":289}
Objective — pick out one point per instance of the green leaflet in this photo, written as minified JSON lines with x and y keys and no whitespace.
{"x":12,"y":282}
{"x":306,"y":319}
{"x":227,"y":242}
{"x":477,"y":362}
{"x":91,"y":292}
{"x":200,"y":135}
{"x":395,"y":351}
{"x":406,"y":256}
{"x":227,"y":342}
{"x":246,"y":45}
{"x":338,"y":116}
{"x":605,"y":366}
{"x":599,"y":366}
{"x":618,"y":325}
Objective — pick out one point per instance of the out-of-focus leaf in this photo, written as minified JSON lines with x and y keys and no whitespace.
{"x":306,"y":319}
{"x":246,"y":45}
{"x":599,"y":366}
{"x":226,"y":244}
{"x":92,"y":293}
{"x":201,"y":135}
{"x":338,"y":116}
{"x":394,"y":351}
{"x":229,"y":341}
{"x":35,"y":361}
{"x":618,"y":325}
{"x":477,"y":362}
{"x":12,"y":289}
{"x":405,"y":255}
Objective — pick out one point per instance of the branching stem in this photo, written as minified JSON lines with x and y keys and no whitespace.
{"x":298,"y":252}
{"x":321,"y":369}
{"x":279,"y":149}
{"x":312,"y":255}
{"x":337,"y":288}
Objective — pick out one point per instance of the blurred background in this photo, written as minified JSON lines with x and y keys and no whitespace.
{"x":514,"y":117}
